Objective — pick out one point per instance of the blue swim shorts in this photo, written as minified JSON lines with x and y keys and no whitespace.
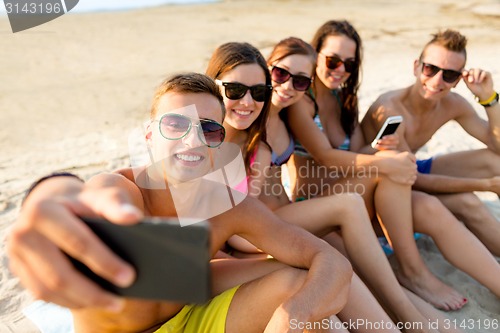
{"x":424,"y":166}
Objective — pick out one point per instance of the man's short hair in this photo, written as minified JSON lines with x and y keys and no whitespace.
{"x":451,"y":40}
{"x":187,"y":83}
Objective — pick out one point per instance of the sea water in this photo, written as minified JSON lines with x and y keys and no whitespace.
{"x":85,"y":6}
{"x":116,"y":5}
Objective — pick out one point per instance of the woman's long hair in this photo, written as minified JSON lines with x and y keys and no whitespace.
{"x":349,"y":90}
{"x":225,"y":58}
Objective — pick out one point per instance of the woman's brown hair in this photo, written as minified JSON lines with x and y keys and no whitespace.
{"x":227,"y":57}
{"x":290,"y":46}
{"x":349,"y":90}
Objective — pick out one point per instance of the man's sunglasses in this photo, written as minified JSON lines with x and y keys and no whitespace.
{"x":235,"y":90}
{"x":334,"y":62}
{"x":299,"y":82}
{"x":175,"y":126}
{"x":449,"y":75}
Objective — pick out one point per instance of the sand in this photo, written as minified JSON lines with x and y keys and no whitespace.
{"x":72,"y":89}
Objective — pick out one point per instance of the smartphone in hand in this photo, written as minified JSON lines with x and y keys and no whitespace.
{"x":389,"y":127}
{"x":172,"y":262}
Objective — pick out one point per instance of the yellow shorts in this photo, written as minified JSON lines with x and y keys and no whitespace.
{"x":207,"y":318}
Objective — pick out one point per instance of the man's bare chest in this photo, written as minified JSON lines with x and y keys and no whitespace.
{"x":420,"y":129}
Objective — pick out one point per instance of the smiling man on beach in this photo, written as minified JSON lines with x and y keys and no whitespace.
{"x":426,"y":106}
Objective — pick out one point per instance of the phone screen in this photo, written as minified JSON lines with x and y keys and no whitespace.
{"x":390,"y":129}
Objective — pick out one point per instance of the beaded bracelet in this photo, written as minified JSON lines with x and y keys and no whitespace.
{"x":44,"y":178}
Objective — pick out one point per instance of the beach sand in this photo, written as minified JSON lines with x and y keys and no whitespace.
{"x":73,"y":89}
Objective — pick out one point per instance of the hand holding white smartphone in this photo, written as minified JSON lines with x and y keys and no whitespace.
{"x":389,"y":127}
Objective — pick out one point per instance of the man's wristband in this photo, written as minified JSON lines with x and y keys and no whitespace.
{"x":52,"y":175}
{"x":490,"y":101}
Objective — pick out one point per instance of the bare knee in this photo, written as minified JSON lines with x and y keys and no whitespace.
{"x":350,"y":207}
{"x":471,"y":210}
{"x":466,"y":202}
{"x":288,"y":280}
{"x":353,"y":199}
{"x":492,"y":164}
{"x":430,"y":216}
{"x":423,"y":205}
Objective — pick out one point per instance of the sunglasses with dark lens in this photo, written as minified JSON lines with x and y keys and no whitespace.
{"x":175,"y":126}
{"x":235,"y":90}
{"x":449,"y":75}
{"x":334,"y":62}
{"x":299,"y":82}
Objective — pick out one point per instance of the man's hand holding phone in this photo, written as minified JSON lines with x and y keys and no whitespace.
{"x":386,"y":138}
{"x":48,"y":224}
{"x":88,"y":248}
{"x":388,"y":142}
{"x":172,"y":262}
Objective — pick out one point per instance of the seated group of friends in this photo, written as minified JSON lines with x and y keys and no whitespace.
{"x":299,"y":107}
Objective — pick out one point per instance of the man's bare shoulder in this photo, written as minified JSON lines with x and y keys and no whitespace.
{"x":122,"y":182}
{"x":108,"y":179}
{"x":127,"y":173}
{"x":456,"y":103}
{"x":391,"y":101}
{"x":388,"y":104}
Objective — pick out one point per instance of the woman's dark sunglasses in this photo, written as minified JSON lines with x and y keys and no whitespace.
{"x":175,"y":126}
{"x":235,"y":90}
{"x":449,"y":75}
{"x":299,"y":82}
{"x":334,"y":62}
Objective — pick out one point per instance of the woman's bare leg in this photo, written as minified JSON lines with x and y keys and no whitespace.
{"x":347,"y":211}
{"x":394,"y":208}
{"x":436,"y":319}
{"x":457,"y":244}
{"x":364,"y":312}
{"x":265,"y":294}
{"x":335,"y":325}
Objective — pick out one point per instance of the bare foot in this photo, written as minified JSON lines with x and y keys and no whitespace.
{"x":432,"y":290}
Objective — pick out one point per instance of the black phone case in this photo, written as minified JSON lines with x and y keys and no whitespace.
{"x":172,"y":262}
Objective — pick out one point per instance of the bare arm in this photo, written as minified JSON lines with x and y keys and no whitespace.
{"x":430,"y":183}
{"x":445,"y":184}
{"x":399,"y":167}
{"x":371,"y":124}
{"x":48,"y":223}
{"x":480,"y":83}
{"x":258,"y":170}
{"x":358,"y":142}
{"x":329,"y":275}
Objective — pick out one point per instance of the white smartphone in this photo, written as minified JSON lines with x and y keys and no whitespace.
{"x":389,"y":127}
